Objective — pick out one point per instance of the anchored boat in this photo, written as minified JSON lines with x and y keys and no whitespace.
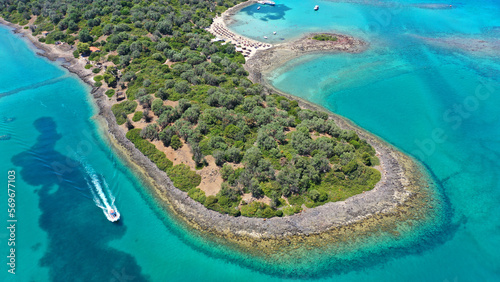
{"x":266,"y":2}
{"x":316,"y":8}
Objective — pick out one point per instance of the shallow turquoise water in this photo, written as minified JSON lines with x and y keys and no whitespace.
{"x":425,"y":84}
{"x":398,"y":89}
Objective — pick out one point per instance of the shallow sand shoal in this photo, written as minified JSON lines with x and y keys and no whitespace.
{"x":265,"y":61}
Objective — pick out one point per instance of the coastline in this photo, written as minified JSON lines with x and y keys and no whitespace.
{"x":396,"y":198}
{"x":265,"y":61}
{"x":220,"y":30}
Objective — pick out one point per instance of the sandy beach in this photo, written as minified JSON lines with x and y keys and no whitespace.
{"x":248,"y":47}
{"x":403,"y":194}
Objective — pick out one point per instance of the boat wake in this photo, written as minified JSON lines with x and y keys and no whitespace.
{"x":101,"y":193}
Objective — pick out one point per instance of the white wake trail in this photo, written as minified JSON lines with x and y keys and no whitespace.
{"x":101,"y":193}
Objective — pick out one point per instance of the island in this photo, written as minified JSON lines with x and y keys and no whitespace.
{"x":221,"y":149}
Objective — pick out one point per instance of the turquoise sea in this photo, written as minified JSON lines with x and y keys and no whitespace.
{"x":428,"y":83}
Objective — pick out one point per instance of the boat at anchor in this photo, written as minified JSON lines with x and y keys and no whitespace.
{"x":266,"y":2}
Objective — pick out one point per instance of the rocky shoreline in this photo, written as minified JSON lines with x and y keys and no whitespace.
{"x":397,"y":197}
{"x":267,"y":60}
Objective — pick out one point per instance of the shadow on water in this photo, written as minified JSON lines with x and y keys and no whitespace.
{"x":77,"y":233}
{"x":267,"y":13}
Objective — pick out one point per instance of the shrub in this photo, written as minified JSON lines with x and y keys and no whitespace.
{"x":317,"y":196}
{"x":226,"y":171}
{"x":166,"y":135}
{"x":184,"y":178}
{"x":232,"y":131}
{"x":223,"y":201}
{"x":323,"y":196}
{"x":88,"y":66}
{"x":122,"y":110}
{"x":233,"y":194}
{"x":175,"y":142}
{"x":110,"y":93}
{"x":324,"y":37}
{"x":137,"y":116}
{"x":233,"y":155}
{"x":350,"y":167}
{"x":157,"y":107}
{"x":96,"y":70}
{"x":314,"y":195}
{"x":257,"y":209}
{"x":220,"y":157}
{"x":192,"y":114}
{"x":146,"y":116}
{"x":149,"y":150}
{"x":252,"y":157}
{"x":234,"y":212}
{"x":129,"y":124}
{"x":366,"y":159}
{"x":150,"y":132}
{"x":197,"y":195}
{"x":302,"y":142}
{"x":211,"y":203}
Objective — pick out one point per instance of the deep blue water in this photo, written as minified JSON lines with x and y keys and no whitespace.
{"x":400,"y":89}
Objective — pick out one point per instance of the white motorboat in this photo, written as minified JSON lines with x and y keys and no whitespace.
{"x":111,"y":214}
{"x":266,"y":2}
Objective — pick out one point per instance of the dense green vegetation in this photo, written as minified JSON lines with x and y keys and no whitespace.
{"x":157,"y":51}
{"x":137,"y":116}
{"x":182,"y":177}
{"x":324,"y":37}
{"x":110,"y":93}
{"x":122,"y":110}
